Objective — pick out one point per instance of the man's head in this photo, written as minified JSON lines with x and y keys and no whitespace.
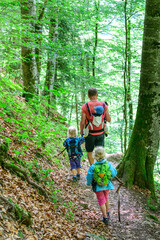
{"x":92,"y":92}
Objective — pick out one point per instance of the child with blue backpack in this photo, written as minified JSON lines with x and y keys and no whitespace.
{"x":98,"y":176}
{"x":73,"y":147}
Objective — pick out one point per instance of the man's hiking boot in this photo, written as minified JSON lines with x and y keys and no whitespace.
{"x":78,"y":176}
{"x":74,"y":179}
{"x":105,"y":220}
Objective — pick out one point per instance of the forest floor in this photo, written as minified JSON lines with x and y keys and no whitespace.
{"x":76,"y":214}
{"x":136,"y":219}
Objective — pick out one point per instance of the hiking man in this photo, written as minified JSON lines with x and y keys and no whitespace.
{"x":93,"y":115}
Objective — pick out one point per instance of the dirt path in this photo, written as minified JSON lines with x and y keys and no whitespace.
{"x":135,"y":222}
{"x":76,"y":214}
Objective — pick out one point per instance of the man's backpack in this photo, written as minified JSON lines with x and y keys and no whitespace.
{"x":73,"y":146}
{"x":97,"y":118}
{"x":102,"y":174}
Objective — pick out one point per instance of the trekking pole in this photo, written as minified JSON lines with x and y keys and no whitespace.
{"x":117,"y":191}
{"x":119,"y":180}
{"x":59,"y":153}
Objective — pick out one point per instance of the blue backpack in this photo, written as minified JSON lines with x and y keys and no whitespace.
{"x":73,"y":146}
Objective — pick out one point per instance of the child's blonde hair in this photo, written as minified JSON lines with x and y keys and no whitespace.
{"x":72,"y":131}
{"x":99,"y":153}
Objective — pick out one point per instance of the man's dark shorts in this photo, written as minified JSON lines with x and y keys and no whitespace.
{"x":92,"y":141}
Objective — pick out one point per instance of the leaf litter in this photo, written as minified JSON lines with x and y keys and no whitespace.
{"x":56,"y":221}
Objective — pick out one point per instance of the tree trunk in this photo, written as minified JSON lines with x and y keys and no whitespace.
{"x":128,"y":108}
{"x":125,"y":78}
{"x":138,"y":163}
{"x":56,"y":83}
{"x":94,"y":50}
{"x":38,"y":31}
{"x":87,"y":67}
{"x":76,"y":101}
{"x":129,"y":97}
{"x":82,"y":80}
{"x":83,"y":92}
{"x":71,"y":109}
{"x":52,"y":60}
{"x":96,"y":39}
{"x":29,"y":66}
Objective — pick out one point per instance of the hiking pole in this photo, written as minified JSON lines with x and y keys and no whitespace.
{"x":119,"y":180}
{"x":59,"y":153}
{"x":117,"y":191}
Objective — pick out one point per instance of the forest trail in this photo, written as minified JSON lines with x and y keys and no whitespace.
{"x":75,"y":213}
{"x":135,"y":223}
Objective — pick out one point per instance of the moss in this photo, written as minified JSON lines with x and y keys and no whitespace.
{"x":153,"y":217}
{"x":4,"y":147}
{"x":35,"y":175}
{"x":22,"y":215}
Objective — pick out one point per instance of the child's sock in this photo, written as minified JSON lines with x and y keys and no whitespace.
{"x":74,"y":178}
{"x":78,"y":176}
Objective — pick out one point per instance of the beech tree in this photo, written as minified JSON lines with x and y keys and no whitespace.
{"x":96,"y":37}
{"x":127,"y":71}
{"x":52,"y":60}
{"x":29,"y":66}
{"x":138,"y":163}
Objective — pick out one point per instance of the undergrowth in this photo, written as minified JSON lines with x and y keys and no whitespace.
{"x":31,"y":129}
{"x":29,"y":119}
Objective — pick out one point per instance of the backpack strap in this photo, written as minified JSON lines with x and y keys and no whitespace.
{"x":89,"y":114}
{"x":75,"y":139}
{"x":88,"y":108}
{"x":104,"y":112}
{"x":104,"y":106}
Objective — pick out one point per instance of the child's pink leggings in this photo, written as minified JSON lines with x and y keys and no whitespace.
{"x":102,"y":197}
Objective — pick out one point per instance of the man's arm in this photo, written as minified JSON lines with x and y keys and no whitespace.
{"x":107,"y":116}
{"x":82,"y":123}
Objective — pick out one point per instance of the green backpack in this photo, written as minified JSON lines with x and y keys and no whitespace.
{"x":102,"y":174}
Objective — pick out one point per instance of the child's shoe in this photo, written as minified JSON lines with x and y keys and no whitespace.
{"x":74,"y":179}
{"x":105,"y":220}
{"x":78,"y":176}
{"x":108,"y":215}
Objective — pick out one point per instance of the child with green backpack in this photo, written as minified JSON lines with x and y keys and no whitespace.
{"x":99,"y":176}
